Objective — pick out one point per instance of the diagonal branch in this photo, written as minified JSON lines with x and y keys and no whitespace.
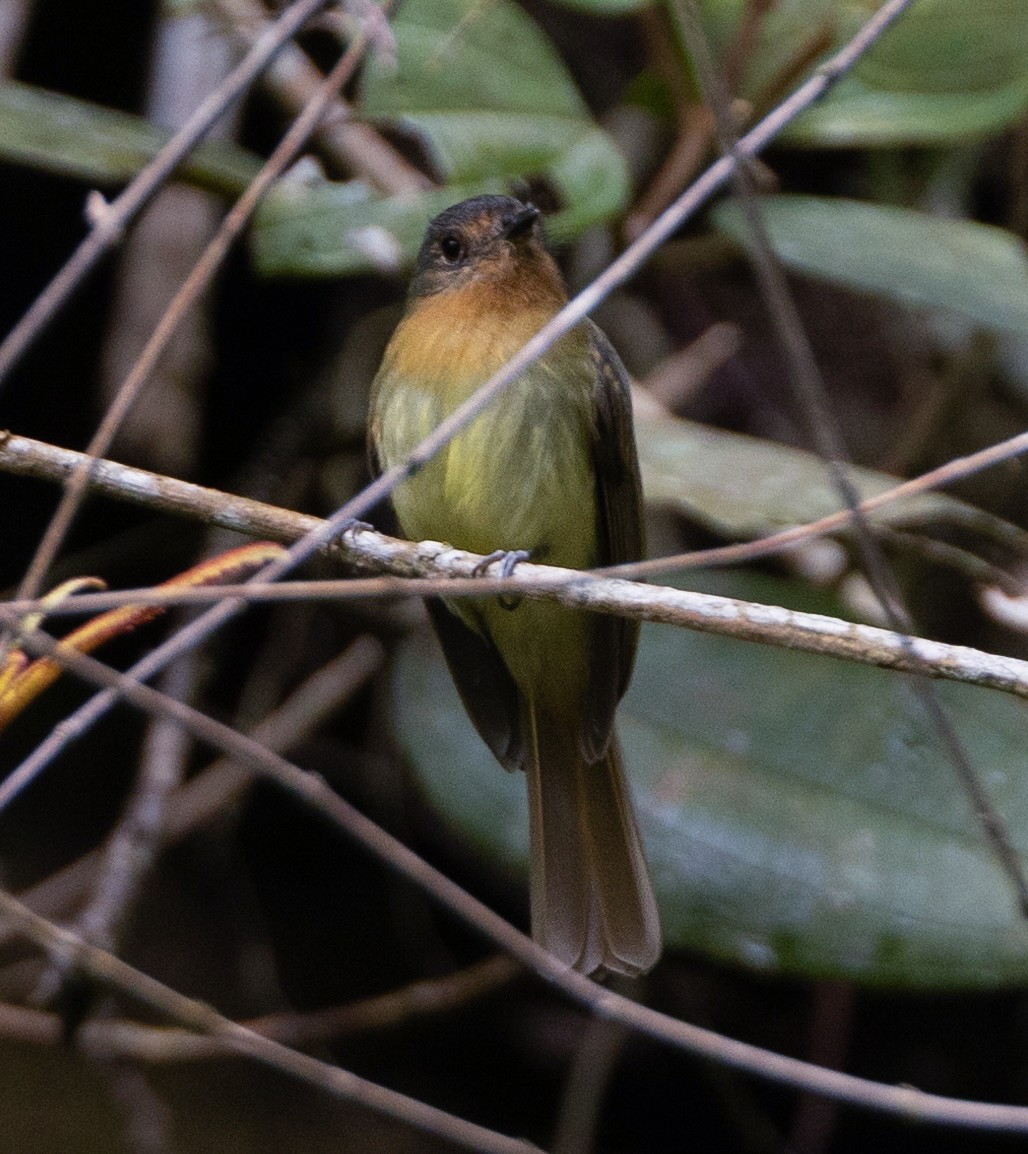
{"x":109,"y":226}
{"x":426,"y":566}
{"x":214,"y":790}
{"x":573,"y":313}
{"x":198,"y":280}
{"x":68,"y":949}
{"x":901,"y":1101}
{"x":811,"y":394}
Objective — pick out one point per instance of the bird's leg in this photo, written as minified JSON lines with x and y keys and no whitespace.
{"x":508,"y":559}
{"x":353,"y":526}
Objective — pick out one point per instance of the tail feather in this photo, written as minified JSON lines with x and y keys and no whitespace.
{"x":592,"y":903}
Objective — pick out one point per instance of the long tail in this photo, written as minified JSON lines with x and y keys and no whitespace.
{"x":592,"y":903}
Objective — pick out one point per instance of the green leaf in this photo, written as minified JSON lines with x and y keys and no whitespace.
{"x":798,"y":813}
{"x":744,"y":487}
{"x":321,"y":229}
{"x":594,"y":180}
{"x":947,"y":46}
{"x":945,"y":71}
{"x":462,"y":59}
{"x":929,"y":262}
{"x":856,"y":115}
{"x":71,"y":137}
{"x":785,"y":36}
{"x":491,"y":101}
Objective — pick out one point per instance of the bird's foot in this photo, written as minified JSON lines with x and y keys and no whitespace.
{"x":508,"y":560}
{"x":353,"y":526}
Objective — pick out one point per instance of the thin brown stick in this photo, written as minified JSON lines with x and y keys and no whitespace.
{"x":450,"y":571}
{"x":147,"y":1121}
{"x":132,"y":847}
{"x":214,"y":789}
{"x":197,"y":282}
{"x":293,"y":80}
{"x":811,"y":393}
{"x":595,"y":1057}
{"x":901,"y":1101}
{"x":109,"y":226}
{"x":65,"y":947}
{"x":26,"y":457}
{"x":121,"y":1039}
{"x":573,"y":313}
{"x":14,"y":19}
{"x":422,"y":568}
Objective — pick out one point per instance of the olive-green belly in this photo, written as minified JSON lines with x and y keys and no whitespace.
{"x":520,"y":477}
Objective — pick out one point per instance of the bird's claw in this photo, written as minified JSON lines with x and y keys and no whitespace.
{"x":353,"y":526}
{"x":508,"y":560}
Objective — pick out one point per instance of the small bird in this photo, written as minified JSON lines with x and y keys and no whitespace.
{"x":549,"y":468}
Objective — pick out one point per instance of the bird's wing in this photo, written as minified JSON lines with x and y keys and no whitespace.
{"x":619,"y":533}
{"x":485,"y":685}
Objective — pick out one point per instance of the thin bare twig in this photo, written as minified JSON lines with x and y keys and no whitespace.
{"x":147,"y":1120}
{"x":26,"y":457}
{"x":160,"y":1045}
{"x":293,"y":79}
{"x":198,"y":280}
{"x":422,"y":566}
{"x":595,"y":1058}
{"x":810,"y":391}
{"x":64,"y":947}
{"x":573,"y":313}
{"x":901,"y":1101}
{"x":14,"y":19}
{"x":958,"y":469}
{"x":109,"y":227}
{"x":132,"y":847}
{"x":188,"y":57}
{"x":214,"y":789}
{"x":429,"y":569}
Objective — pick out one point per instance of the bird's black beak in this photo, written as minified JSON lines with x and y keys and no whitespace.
{"x":520,"y":222}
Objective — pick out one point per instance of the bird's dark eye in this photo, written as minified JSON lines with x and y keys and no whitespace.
{"x":452,"y":248}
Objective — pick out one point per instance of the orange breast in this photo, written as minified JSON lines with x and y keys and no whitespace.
{"x":455,"y":338}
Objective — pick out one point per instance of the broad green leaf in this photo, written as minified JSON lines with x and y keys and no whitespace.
{"x":71,"y":137}
{"x":946,"y":46}
{"x":488,"y":96}
{"x":930,"y":262}
{"x":858,"y":115}
{"x":322,"y":229}
{"x":799,"y":814}
{"x":787,"y":33}
{"x":743,"y":487}
{"x":466,"y":66}
{"x":945,"y":71}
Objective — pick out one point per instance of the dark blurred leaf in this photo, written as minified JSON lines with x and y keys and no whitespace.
{"x":798,"y":812}
{"x":930,"y":262}
{"x":491,"y":100}
{"x":742,"y":487}
{"x":74,"y":138}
